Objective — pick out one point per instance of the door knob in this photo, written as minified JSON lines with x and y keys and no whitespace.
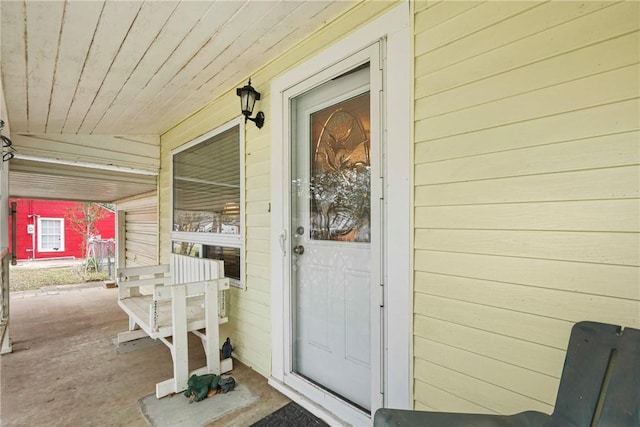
{"x":298,"y":250}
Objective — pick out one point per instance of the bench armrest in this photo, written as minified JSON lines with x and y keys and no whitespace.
{"x":143,"y":271}
{"x":131,"y":279}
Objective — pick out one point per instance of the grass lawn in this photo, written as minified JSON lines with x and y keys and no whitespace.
{"x":35,"y":278}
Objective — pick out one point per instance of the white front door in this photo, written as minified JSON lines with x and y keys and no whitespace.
{"x":299,"y":326}
{"x":331,"y":237}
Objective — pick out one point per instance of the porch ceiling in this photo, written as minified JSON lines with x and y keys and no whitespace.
{"x":132,"y":68}
{"x":30,"y":179}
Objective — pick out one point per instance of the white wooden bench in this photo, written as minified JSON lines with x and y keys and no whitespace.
{"x":166,"y":302}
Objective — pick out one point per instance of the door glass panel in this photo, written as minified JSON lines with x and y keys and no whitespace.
{"x":341,"y":171}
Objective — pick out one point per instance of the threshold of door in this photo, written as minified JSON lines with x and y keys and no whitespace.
{"x":311,"y":406}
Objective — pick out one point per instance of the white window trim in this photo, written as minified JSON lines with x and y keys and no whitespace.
{"x":218,"y":239}
{"x":62,"y":233}
{"x":394,"y":26}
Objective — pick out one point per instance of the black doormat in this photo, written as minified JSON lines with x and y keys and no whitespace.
{"x":291,"y":415}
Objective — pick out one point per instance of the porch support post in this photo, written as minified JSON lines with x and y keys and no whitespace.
{"x":5,"y":347}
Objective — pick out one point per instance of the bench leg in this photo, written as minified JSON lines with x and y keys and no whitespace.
{"x":180,"y":338}
{"x":212,"y":341}
{"x":132,"y":324}
{"x":179,"y":346}
{"x":211,"y":338}
{"x":131,"y":335}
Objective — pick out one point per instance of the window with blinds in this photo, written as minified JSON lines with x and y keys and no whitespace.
{"x":208,"y":199}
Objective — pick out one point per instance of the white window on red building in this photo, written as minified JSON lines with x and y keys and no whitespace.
{"x":50,"y":234}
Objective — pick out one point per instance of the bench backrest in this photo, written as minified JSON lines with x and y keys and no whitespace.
{"x":131,"y":279}
{"x":600,"y":384}
{"x":181,"y":270}
{"x":186,"y":269}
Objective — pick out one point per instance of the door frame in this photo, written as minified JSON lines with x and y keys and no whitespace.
{"x":392,"y":29}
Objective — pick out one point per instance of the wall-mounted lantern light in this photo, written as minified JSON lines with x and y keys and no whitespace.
{"x":248,"y":97}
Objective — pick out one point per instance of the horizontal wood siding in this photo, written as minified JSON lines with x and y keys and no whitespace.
{"x":249,"y":312}
{"x":141,"y":231}
{"x":132,"y":66}
{"x":132,"y":151}
{"x":526,"y":193}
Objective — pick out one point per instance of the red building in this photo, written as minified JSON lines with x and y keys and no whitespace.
{"x":44,"y":229}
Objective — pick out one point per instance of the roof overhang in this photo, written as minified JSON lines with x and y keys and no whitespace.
{"x":54,"y":180}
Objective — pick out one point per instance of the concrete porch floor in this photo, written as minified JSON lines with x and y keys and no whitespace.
{"x":65,"y":370}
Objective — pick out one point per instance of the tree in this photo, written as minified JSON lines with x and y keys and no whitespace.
{"x":82,"y":220}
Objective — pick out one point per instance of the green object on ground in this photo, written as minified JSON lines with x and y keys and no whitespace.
{"x":227,"y":384}
{"x":199,"y":385}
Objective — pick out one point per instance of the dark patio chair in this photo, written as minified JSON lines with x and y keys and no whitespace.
{"x":600,"y":386}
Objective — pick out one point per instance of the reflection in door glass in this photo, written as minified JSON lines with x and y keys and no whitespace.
{"x":341,"y":172}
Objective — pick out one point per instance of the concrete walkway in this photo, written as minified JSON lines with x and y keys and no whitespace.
{"x":65,"y":370}
{"x":48,"y":263}
{"x":55,"y":290}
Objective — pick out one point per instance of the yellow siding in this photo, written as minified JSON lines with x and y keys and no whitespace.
{"x":141,"y":236}
{"x":249,"y":310}
{"x":526,"y":193}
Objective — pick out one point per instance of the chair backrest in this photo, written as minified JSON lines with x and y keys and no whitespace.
{"x":600,"y":384}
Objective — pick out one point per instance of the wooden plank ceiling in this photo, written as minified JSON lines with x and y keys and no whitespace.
{"x":129,"y":70}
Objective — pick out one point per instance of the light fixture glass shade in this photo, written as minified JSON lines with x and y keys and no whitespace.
{"x":247,"y":101}
{"x":248,"y":97}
